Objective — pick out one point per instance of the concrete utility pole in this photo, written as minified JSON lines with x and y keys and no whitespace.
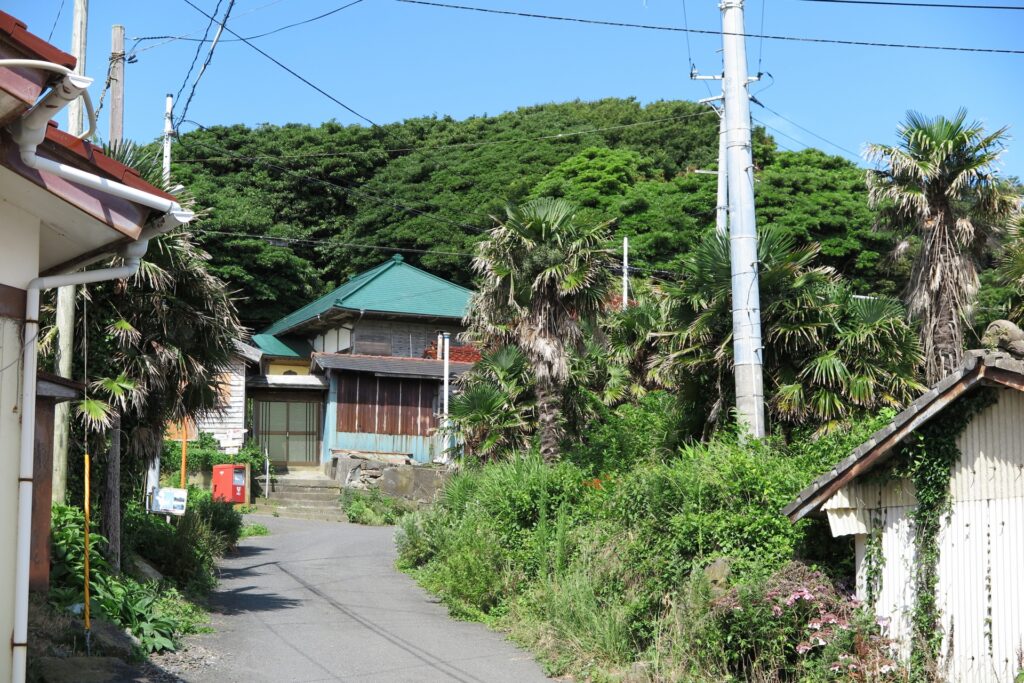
{"x":117,"y":84}
{"x":746,"y":307}
{"x":722,"y":205}
{"x":66,"y":295}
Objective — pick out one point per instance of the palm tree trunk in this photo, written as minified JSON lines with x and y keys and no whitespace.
{"x":111,"y":526}
{"x":947,"y":340}
{"x":549,"y":411}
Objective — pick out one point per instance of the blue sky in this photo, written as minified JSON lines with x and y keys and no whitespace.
{"x":391,"y":61}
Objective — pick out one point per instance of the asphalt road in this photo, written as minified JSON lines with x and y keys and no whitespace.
{"x":322,"y":601}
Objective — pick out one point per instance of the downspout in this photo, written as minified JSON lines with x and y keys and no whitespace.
{"x":133,"y":254}
{"x":29,"y":132}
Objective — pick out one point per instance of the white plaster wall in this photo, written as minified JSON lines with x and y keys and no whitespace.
{"x":19,"y":245}
{"x":333,"y":341}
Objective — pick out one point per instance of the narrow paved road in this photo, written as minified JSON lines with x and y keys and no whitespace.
{"x":322,"y":601}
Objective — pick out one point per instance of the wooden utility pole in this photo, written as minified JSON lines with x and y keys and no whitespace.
{"x":112,"y":481}
{"x":117,"y":84}
{"x":66,"y":295}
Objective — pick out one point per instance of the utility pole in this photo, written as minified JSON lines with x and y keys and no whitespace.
{"x":722,"y":204}
{"x":117,"y":84}
{"x":168,"y":131}
{"x":65,"y":313}
{"x":625,"y":273}
{"x":79,"y":29}
{"x":746,"y":307}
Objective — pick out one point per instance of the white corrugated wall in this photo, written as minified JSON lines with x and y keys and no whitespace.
{"x":981,"y":589}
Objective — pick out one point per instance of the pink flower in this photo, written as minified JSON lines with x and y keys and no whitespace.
{"x":803,"y":648}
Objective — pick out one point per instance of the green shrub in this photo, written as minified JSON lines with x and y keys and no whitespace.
{"x":222,"y":517}
{"x":250,"y":530}
{"x":205,"y":452}
{"x":154,"y":614}
{"x":186,"y":551}
{"x":586,"y":565}
{"x":372,"y":508}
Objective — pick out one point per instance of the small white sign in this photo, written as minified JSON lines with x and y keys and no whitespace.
{"x":170,"y":501}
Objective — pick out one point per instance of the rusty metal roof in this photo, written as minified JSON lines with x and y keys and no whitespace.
{"x":988,"y":367}
{"x":387,"y":365}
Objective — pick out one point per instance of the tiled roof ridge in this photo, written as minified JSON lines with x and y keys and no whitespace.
{"x":377,"y":357}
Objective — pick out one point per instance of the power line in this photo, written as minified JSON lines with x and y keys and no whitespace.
{"x":279,"y":29}
{"x":796,"y":140}
{"x":810,"y":132}
{"x":677,"y":29}
{"x":60,"y":10}
{"x":920,"y":4}
{"x":462,"y":145}
{"x":188,"y":36}
{"x":195,"y":55}
{"x":289,"y":70}
{"x":208,"y":60}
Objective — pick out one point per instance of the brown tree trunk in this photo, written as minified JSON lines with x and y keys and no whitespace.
{"x":111,"y":526}
{"x":549,"y":412}
{"x":947,"y":341}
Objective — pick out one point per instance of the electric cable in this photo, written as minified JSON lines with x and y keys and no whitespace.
{"x":677,"y":29}
{"x":207,"y":61}
{"x":60,"y":10}
{"x":195,"y":56}
{"x":288,"y":69}
{"x":920,"y":4}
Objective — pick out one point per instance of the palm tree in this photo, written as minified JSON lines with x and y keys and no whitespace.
{"x":938,"y":185}
{"x":542,"y":276}
{"x":1011,"y":266}
{"x":494,"y":410}
{"x":828,"y":353}
{"x":161,"y":341}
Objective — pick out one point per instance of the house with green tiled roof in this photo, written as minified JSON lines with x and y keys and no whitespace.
{"x":357,"y":371}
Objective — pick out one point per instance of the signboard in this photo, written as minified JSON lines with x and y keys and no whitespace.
{"x":170,"y":501}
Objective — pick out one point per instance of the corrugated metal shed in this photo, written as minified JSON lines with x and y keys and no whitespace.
{"x":981,"y":548}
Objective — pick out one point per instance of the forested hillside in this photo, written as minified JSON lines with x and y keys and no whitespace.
{"x":431,"y":185}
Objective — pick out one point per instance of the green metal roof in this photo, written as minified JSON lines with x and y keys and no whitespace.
{"x":393,"y":287}
{"x":283,"y":347}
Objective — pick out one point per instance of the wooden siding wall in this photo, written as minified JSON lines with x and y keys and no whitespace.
{"x":228,"y":423}
{"x":383,"y":405}
{"x":396,"y":338}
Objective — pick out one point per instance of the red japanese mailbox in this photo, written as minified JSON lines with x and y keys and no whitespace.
{"x":229,"y":483}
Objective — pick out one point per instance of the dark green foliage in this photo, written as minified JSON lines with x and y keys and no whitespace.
{"x":344,"y":185}
{"x":205,"y":452}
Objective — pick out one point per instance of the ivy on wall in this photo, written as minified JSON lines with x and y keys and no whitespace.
{"x":927,"y":459}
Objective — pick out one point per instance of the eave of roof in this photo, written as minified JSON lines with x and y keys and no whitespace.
{"x":281,"y":347}
{"x":996,"y":368}
{"x":391,"y":366}
{"x":16,"y":32}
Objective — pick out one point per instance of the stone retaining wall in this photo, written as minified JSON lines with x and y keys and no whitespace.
{"x":395,"y":477}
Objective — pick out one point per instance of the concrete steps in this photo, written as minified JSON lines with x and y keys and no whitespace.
{"x":299,"y":512}
{"x":303,"y":496}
